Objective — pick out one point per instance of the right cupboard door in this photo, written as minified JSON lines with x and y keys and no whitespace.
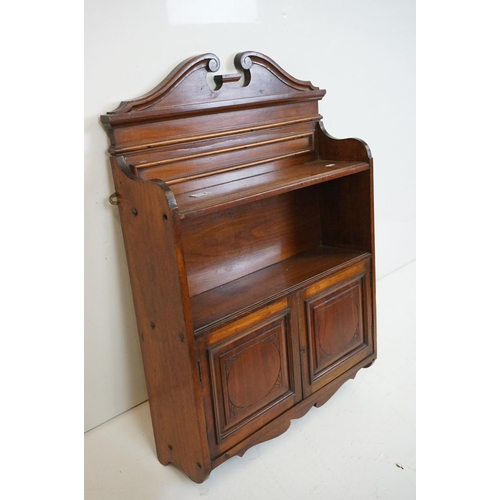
{"x":337,"y":326}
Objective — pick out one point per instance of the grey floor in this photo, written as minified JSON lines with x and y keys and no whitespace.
{"x":359,"y":445}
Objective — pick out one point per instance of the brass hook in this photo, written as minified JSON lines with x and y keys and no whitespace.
{"x":113,"y":199}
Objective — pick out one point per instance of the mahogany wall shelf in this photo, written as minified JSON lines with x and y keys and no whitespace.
{"x":250,"y":247}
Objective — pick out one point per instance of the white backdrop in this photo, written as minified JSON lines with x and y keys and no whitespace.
{"x":362,"y":52}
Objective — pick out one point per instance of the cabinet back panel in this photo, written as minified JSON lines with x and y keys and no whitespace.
{"x":346,"y":212}
{"x":171,"y":138}
{"x":232,"y":243}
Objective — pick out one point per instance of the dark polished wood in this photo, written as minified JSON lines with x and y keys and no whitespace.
{"x":250,"y":246}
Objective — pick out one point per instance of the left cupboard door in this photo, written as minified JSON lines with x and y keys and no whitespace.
{"x":250,"y":373}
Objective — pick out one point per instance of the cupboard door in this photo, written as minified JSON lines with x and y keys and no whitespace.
{"x":337,"y":325}
{"x":253,"y":368}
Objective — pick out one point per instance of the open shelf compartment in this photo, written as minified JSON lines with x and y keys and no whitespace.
{"x":253,"y":290}
{"x":243,"y":256}
{"x":225,"y":190}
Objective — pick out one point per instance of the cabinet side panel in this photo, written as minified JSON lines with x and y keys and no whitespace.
{"x":154,"y":255}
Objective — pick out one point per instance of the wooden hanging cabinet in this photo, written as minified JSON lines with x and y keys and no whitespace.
{"x":250,"y":246}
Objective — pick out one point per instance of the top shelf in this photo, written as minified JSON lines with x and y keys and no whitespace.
{"x":211,"y":194}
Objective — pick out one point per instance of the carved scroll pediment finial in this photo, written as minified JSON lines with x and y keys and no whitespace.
{"x":213,"y":63}
{"x":243,"y":60}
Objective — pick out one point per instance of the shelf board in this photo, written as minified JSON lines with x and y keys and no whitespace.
{"x":238,"y":297}
{"x":211,"y":198}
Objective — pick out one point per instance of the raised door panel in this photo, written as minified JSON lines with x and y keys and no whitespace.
{"x":253,"y":375}
{"x":337,"y":325}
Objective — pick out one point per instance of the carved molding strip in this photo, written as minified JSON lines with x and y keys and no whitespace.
{"x":214,"y":152}
{"x":215,"y":135}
